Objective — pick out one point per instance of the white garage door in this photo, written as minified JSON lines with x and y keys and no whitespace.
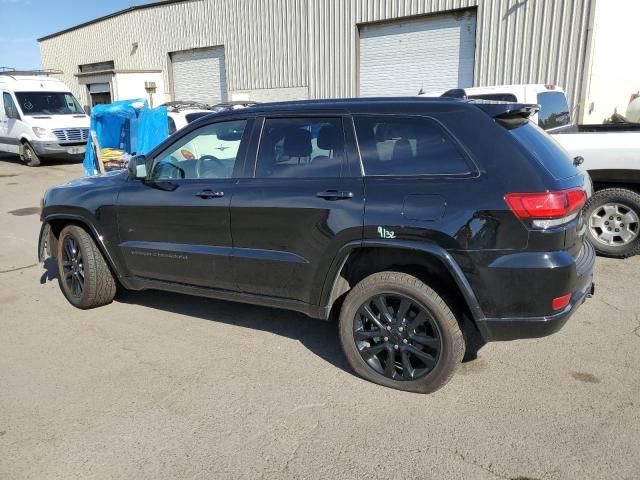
{"x":199,"y":75}
{"x":434,"y":53}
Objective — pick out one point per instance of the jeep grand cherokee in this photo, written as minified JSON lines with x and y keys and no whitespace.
{"x":419,"y":222}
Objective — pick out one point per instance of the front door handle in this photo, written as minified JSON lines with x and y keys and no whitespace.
{"x":335,"y":195}
{"x":209,"y":194}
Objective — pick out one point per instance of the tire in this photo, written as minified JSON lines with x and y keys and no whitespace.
{"x":611,"y":209}
{"x":29,"y":156}
{"x":440,"y":335}
{"x":98,"y":286}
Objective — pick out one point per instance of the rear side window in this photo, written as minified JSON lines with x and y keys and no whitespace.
{"x":554,"y":110}
{"x":301,"y":147}
{"x":394,"y":145}
{"x":545,"y":149}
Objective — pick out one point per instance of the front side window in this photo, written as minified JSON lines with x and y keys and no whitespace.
{"x":9,"y":107}
{"x":208,"y":152}
{"x":301,"y":147}
{"x":554,"y":110}
{"x":48,"y":103}
{"x":394,"y":145}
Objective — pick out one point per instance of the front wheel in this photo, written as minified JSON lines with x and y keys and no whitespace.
{"x":398,"y":332}
{"x":83,"y":273}
{"x":613,"y":221}
{"x":29,"y":156}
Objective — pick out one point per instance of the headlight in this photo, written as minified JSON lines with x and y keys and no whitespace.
{"x":44,"y":133}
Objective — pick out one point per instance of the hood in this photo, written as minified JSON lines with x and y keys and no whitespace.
{"x":109,"y":178}
{"x":53,"y":122}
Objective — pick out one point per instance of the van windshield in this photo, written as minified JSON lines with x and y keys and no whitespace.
{"x":48,"y":103}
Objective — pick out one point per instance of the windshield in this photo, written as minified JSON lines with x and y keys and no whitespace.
{"x":554,"y":110}
{"x":545,"y":149}
{"x":48,"y":103}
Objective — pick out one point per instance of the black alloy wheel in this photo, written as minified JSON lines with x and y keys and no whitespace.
{"x":72,"y":266}
{"x":397,"y":336}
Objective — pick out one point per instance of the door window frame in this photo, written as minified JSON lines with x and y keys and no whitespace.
{"x":238,"y":168}
{"x":351,"y":163}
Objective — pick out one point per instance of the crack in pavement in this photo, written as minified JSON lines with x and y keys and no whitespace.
{"x":19,"y":268}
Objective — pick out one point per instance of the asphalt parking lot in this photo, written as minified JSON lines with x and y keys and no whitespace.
{"x":159,"y":385}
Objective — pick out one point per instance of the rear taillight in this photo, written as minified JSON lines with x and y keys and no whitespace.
{"x":547,"y":209}
{"x":559,"y":303}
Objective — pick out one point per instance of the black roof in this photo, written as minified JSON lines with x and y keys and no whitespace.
{"x":111,"y":15}
{"x":352,"y":105}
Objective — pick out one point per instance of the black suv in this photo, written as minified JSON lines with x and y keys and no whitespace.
{"x":422,"y":223}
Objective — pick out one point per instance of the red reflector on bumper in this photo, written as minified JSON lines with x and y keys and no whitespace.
{"x":561,"y":302}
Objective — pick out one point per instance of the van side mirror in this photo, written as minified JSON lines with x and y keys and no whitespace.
{"x":137,"y":167}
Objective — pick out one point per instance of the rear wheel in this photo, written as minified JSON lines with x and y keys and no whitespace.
{"x":83,"y":274}
{"x":29,"y":156}
{"x":397,"y":332}
{"x":613,"y":217}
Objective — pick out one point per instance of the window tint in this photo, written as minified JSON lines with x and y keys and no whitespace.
{"x":208,"y":152}
{"x":301,"y":147}
{"x":502,"y":97}
{"x":10,"y":109}
{"x":392,"y":145}
{"x":545,"y":149}
{"x":48,"y":103}
{"x":554,"y":110}
{"x":172,"y":126}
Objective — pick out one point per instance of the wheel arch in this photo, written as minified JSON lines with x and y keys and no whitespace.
{"x":58,"y":221}
{"x":429,"y":262}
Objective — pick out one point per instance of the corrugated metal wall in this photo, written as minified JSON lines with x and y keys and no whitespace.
{"x":517,"y":41}
{"x":265,"y":41}
{"x":314,"y":43}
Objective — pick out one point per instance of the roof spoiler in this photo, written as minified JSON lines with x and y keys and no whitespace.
{"x":509,"y":115}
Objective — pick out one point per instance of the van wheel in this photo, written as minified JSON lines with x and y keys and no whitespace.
{"x":29,"y":156}
{"x":83,"y":274}
{"x":613,"y":222}
{"x":398,"y":332}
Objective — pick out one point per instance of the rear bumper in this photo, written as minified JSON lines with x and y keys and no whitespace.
{"x":501,"y":329}
{"x":518,"y":290}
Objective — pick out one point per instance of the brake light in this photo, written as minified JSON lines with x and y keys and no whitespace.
{"x":549,"y":86}
{"x":548,"y":205}
{"x":561,"y":302}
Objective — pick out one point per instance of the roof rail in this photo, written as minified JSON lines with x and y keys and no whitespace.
{"x":12,"y":72}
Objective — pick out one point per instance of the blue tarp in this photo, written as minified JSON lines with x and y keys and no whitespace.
{"x":128,"y":125}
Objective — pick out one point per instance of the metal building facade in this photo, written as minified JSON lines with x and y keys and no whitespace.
{"x":310,"y":48}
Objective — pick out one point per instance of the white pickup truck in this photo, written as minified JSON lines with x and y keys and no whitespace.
{"x":610,"y":153}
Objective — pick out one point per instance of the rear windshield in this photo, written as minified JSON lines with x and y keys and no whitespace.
{"x":545,"y":149}
{"x":48,"y":103}
{"x":554,"y":110}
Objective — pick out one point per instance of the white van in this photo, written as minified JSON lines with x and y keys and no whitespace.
{"x":40,"y":117}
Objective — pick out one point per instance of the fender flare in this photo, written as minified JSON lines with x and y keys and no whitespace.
{"x":85,"y":222}
{"x":437,"y":252}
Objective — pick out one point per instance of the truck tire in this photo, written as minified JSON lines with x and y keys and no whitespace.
{"x":29,"y":156}
{"x":83,"y":274}
{"x":398,"y":332}
{"x":613,"y":222}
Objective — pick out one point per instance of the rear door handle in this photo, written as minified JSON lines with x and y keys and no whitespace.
{"x":335,"y":195}
{"x":209,"y":194}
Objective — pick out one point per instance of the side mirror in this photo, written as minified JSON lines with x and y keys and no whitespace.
{"x":137,"y":167}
